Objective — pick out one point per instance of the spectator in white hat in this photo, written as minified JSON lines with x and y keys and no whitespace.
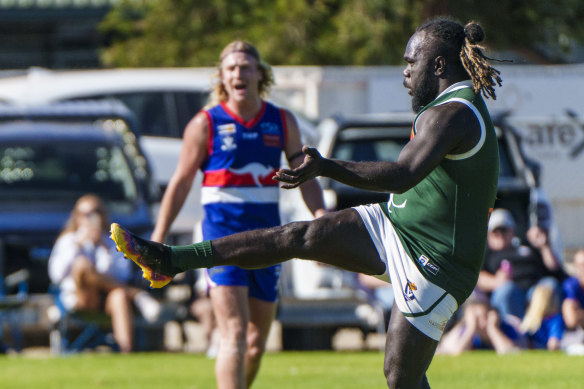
{"x":511,"y":270}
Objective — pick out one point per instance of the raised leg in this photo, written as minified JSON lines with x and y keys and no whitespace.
{"x":339,"y":239}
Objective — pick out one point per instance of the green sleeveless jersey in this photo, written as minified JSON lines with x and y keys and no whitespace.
{"x":442,"y":221}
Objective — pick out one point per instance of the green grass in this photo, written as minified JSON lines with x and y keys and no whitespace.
{"x":284,"y":370}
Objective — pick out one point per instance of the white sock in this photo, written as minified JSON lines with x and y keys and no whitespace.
{"x":149,"y":307}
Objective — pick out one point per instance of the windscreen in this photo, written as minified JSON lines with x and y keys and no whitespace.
{"x":506,"y":169}
{"x":374,"y":145}
{"x":370,"y":144}
{"x":64,"y":169}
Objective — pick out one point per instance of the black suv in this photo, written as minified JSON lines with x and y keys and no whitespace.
{"x":381,"y":137}
{"x":52,"y":155}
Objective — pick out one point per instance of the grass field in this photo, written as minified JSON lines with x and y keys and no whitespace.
{"x":285,"y":370}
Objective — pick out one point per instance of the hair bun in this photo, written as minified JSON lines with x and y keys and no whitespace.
{"x":474,"y":32}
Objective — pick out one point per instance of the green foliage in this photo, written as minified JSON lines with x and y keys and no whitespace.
{"x":306,"y":32}
{"x":523,"y":25}
{"x":153,"y":33}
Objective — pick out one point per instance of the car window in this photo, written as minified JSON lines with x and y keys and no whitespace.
{"x":148,"y":107}
{"x":506,"y":168}
{"x":379,"y":144}
{"x":163,"y":114}
{"x":58,"y":169}
{"x":361,"y":144}
{"x":368,"y":150}
{"x":187,"y":106}
{"x":151,"y":111}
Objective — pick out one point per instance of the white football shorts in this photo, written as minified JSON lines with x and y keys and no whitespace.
{"x":425,"y":305}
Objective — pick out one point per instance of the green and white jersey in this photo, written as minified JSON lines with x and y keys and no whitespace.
{"x":442,"y":221}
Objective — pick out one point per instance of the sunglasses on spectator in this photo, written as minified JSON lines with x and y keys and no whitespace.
{"x":90,"y":212}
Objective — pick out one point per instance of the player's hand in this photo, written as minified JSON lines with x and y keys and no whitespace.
{"x":309,"y":169}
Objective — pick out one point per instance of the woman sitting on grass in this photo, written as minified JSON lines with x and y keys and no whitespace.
{"x":481,"y":328}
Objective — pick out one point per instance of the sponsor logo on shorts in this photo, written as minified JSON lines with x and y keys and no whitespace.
{"x":429,"y":266}
{"x":440,"y":326}
{"x":409,"y":290}
{"x":215,"y":270}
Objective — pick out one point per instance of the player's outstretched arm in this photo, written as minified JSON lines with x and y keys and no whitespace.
{"x":365,"y":175}
{"x":440,"y":130}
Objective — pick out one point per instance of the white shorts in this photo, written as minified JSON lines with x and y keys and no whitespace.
{"x":425,"y":305}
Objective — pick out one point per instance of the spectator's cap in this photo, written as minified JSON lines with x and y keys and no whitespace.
{"x":501,"y":218}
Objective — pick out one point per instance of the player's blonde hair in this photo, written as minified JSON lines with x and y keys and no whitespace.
{"x":219,"y":94}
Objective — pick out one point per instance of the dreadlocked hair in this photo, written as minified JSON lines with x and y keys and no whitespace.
{"x":463,"y":43}
{"x":483,"y":75}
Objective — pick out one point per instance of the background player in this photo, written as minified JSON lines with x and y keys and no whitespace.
{"x":237,"y":142}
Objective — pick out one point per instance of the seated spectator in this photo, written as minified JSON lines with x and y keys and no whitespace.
{"x":543,"y":322}
{"x":480,"y":328}
{"x":511,"y":270}
{"x":573,"y":287}
{"x":92,"y":274}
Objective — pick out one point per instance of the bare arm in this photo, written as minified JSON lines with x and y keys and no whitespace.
{"x":310,"y":190}
{"x":449,"y":128}
{"x":192,"y":154}
{"x":488,"y":282}
{"x":572,"y":313}
{"x":539,"y":238}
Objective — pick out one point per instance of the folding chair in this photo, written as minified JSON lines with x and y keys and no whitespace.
{"x":10,"y":303}
{"x":75,"y":331}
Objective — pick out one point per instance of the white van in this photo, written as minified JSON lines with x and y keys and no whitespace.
{"x":163,"y":101}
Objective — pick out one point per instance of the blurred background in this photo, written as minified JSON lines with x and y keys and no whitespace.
{"x":141,"y":70}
